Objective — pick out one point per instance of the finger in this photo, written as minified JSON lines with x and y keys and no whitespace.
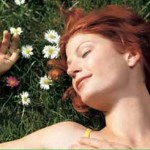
{"x":119,"y":146}
{"x":5,"y":42}
{"x":102,"y":143}
{"x":14,"y":44}
{"x":96,"y":143}
{"x":15,"y":55}
{"x":91,"y":142}
{"x":78,"y":146}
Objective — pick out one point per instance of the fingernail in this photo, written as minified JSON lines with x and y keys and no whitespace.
{"x":16,"y":34}
{"x":5,"y":31}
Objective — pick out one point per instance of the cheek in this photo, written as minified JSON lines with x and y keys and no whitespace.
{"x":92,"y":63}
{"x":107,"y":67}
{"x":73,"y":84}
{"x":95,"y":64}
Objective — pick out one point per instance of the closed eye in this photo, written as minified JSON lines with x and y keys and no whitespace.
{"x":85,"y":54}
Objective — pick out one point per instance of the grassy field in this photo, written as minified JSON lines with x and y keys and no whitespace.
{"x":46,"y":107}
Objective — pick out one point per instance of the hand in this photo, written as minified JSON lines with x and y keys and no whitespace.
{"x":8,"y":52}
{"x":92,"y":143}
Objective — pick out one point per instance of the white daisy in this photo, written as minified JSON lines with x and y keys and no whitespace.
{"x":52,"y":36}
{"x":51,"y":52}
{"x":17,"y":30}
{"x":45,"y":82}
{"x":27,"y":51}
{"x":25,"y":98}
{"x":19,"y":2}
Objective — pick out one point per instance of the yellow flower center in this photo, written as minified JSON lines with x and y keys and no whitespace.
{"x":25,"y":99}
{"x":51,"y":36}
{"x":50,"y":51}
{"x":27,"y":51}
{"x":46,"y":81}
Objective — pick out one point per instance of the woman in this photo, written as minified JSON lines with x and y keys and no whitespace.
{"x":107,"y":57}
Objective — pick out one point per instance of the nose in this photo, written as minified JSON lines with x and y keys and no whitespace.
{"x":73,"y":69}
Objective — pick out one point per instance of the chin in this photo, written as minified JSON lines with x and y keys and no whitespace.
{"x":94,"y":97}
{"x":87,"y":98}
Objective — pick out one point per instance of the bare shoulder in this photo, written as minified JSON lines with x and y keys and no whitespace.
{"x":59,"y":135}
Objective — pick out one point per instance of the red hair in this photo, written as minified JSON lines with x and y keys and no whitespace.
{"x":120,"y":25}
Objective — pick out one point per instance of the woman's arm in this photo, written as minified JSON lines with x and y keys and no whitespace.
{"x":60,"y":135}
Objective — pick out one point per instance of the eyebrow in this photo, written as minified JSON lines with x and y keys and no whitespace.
{"x":77,"y":49}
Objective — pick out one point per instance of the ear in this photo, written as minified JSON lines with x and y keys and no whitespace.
{"x":132,"y":57}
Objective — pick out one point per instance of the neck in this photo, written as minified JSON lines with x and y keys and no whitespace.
{"x":130,"y":117}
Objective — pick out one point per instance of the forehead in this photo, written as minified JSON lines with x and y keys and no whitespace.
{"x":79,"y":39}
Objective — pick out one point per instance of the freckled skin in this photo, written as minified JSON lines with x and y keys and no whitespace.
{"x":103,"y":62}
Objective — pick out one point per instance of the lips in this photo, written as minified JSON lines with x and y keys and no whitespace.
{"x":80,"y":81}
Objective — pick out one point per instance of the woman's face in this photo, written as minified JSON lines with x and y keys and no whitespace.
{"x":98,"y":71}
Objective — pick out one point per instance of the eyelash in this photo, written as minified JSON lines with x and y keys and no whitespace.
{"x":85,"y":54}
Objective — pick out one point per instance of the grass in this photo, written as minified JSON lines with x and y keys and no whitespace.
{"x":46,"y":108}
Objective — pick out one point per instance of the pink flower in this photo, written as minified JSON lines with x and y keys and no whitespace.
{"x":12,"y":81}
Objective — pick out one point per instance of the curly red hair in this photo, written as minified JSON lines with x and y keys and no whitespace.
{"x":121,"y":25}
